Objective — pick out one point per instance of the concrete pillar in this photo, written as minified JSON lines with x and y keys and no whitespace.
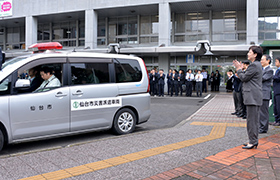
{"x":5,"y":39}
{"x":164,"y":23}
{"x":91,"y":21}
{"x":164,"y":63}
{"x":252,"y":21}
{"x":31,"y":28}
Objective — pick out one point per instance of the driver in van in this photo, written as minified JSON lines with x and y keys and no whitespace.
{"x":50,"y":80}
{"x":34,"y":78}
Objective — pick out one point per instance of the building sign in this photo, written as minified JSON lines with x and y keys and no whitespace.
{"x":190,"y":58}
{"x":6,"y":8}
{"x":98,"y":103}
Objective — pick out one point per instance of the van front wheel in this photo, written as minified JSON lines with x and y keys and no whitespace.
{"x":1,"y":140}
{"x":124,"y":122}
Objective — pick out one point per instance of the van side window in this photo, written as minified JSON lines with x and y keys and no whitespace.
{"x":5,"y":86}
{"x":127,"y":70}
{"x":89,"y":73}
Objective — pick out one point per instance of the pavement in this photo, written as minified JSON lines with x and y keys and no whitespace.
{"x":207,"y":145}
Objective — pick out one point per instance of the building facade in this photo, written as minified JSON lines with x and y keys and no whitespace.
{"x":178,"y":34}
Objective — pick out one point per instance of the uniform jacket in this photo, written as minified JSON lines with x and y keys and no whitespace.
{"x":182,"y":78}
{"x":169,"y":77}
{"x":266,"y":82}
{"x":161,"y":79}
{"x":175,"y":79}
{"x":252,"y":84}
{"x":153,"y":78}
{"x":236,"y":83}
{"x":276,"y":83}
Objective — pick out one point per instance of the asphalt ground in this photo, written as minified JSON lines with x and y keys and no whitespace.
{"x":210,"y":136}
{"x":144,"y":154}
{"x":166,"y":112}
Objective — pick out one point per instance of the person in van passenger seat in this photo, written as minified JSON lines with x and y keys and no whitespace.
{"x":49,"y":79}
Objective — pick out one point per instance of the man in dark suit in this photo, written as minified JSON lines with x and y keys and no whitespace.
{"x":169,"y":76}
{"x":276,"y":90}
{"x":153,"y":82}
{"x":237,"y":97}
{"x":161,"y":78}
{"x":181,"y":81}
{"x":266,"y":89}
{"x":174,"y":83}
{"x":35,"y":79}
{"x":252,"y":93}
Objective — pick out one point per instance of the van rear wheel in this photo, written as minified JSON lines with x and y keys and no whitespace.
{"x":124,"y":121}
{"x":1,"y":140}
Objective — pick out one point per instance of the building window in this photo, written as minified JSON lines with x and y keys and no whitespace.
{"x":43,"y":32}
{"x":64,"y":32}
{"x":191,"y":27}
{"x":121,"y":30}
{"x":224,"y":26}
{"x":149,"y":29}
{"x":15,"y":38}
{"x":269,"y":25}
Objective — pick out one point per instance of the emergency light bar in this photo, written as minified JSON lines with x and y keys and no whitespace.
{"x":45,"y":46}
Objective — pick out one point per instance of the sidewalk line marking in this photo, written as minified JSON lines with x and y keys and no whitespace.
{"x":218,"y":131}
{"x":206,"y":97}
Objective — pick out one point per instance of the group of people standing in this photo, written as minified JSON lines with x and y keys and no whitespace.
{"x":179,"y":82}
{"x":252,"y":92}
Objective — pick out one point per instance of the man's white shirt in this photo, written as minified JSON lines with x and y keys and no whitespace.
{"x":51,"y":82}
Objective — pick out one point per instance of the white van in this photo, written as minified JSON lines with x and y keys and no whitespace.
{"x":84,"y":92}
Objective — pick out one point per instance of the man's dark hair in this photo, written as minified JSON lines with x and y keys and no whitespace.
{"x":267,"y":57}
{"x":278,"y":58}
{"x":46,"y":70}
{"x":230,"y":70}
{"x":246,"y":62}
{"x":257,"y":50}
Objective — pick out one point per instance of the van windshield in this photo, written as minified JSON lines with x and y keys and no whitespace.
{"x":11,"y":62}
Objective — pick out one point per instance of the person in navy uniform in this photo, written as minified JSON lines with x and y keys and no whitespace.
{"x":174,"y":83}
{"x":217,"y":80}
{"x":181,"y":81}
{"x":153,"y":82}
{"x":276,"y":90}
{"x":161,"y":78}
{"x":169,"y":76}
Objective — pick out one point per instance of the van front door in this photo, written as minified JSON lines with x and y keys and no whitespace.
{"x":44,"y":112}
{"x":40,"y":114}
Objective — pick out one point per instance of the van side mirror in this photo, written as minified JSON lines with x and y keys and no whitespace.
{"x":22,"y":83}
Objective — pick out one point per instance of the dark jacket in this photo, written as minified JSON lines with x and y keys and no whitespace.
{"x":276,"y":83}
{"x":182,"y":78}
{"x":175,"y":79}
{"x":266,"y":82}
{"x":236,"y":83}
{"x":161,"y":79}
{"x":169,"y":77}
{"x":252,"y":83}
{"x":153,"y":78}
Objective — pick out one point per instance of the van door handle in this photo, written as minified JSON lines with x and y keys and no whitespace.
{"x":60,"y":94}
{"x":78,"y":93}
